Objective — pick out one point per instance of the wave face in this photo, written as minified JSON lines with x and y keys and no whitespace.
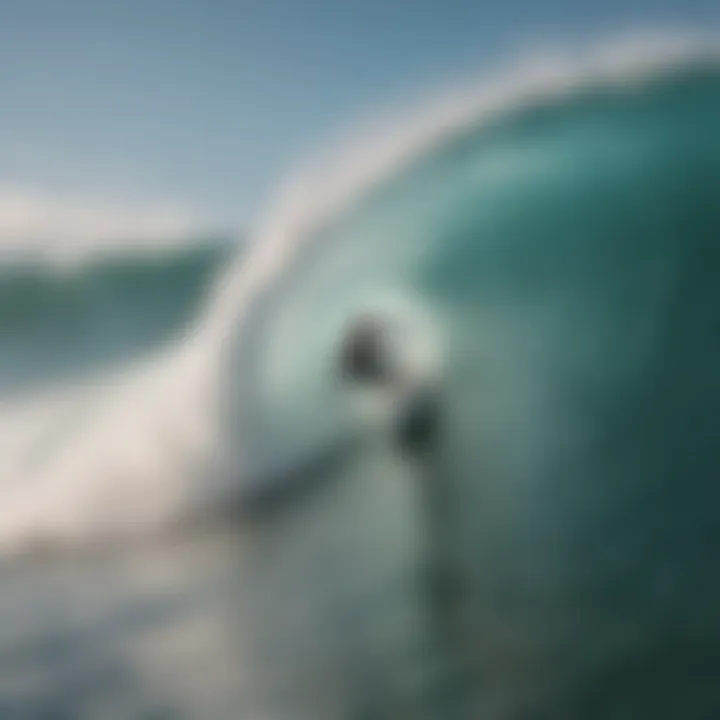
{"x":405,"y":225}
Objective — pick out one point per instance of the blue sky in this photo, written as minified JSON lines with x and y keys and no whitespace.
{"x":203,"y":104}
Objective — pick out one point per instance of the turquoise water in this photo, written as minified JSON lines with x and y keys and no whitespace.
{"x":202,"y":519}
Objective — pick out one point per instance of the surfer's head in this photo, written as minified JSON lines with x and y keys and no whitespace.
{"x":365,"y":354}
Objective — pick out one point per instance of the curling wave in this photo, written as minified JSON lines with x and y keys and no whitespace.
{"x":111,"y":376}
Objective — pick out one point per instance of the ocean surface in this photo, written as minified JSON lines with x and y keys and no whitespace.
{"x":167,"y":416}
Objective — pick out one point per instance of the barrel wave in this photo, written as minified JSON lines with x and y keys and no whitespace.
{"x":557,"y":259}
{"x":456,"y":410}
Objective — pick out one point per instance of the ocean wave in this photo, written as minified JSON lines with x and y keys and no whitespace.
{"x":138,"y":443}
{"x":372,"y":161}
